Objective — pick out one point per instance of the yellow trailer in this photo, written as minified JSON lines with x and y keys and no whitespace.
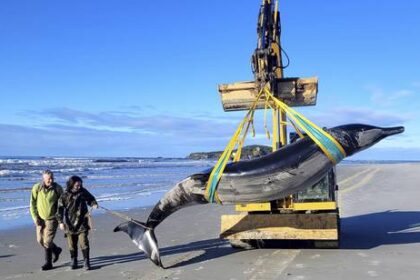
{"x":311,"y":216}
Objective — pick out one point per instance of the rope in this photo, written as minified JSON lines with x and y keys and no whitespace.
{"x":267,"y":132}
{"x":129,"y":219}
{"x":90,"y":219}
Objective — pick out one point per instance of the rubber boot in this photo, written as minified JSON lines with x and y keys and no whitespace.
{"x":86,"y":264}
{"x":73,"y":256}
{"x":56,"y":251}
{"x":48,"y":260}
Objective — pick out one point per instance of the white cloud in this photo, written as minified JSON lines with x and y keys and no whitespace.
{"x":65,"y":131}
{"x":384,"y":98}
{"x":364,"y":115}
{"x":416,"y":84}
{"x":59,"y":140}
{"x":131,"y":121}
{"x":388,"y":153}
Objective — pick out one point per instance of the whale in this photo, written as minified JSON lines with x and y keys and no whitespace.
{"x":290,"y":169}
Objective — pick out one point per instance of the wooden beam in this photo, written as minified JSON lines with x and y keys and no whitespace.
{"x":322,"y":226}
{"x":293,"y":91}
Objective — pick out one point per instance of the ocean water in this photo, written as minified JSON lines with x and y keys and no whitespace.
{"x":117,"y":183}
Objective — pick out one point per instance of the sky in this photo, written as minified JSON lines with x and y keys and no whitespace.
{"x":139,"y":78}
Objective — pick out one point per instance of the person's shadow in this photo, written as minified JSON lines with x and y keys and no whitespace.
{"x":382,"y":228}
{"x":5,"y":256}
{"x":213,"y":248}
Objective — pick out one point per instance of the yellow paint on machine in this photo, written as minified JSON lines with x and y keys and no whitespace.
{"x":253,"y":207}
{"x":327,"y":205}
{"x":304,"y":206}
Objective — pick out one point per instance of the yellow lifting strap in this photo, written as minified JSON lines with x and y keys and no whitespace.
{"x":330,"y":147}
{"x":250,"y":122}
{"x":216,"y":174}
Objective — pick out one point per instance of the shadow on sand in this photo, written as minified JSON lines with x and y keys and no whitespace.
{"x":382,"y":228}
{"x":367,"y":231}
{"x":5,"y":256}
{"x":213,"y":248}
{"x":357,"y":232}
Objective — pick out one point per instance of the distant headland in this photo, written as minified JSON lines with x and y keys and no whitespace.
{"x":248,"y":152}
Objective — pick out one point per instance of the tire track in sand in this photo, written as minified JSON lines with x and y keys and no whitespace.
{"x":354,"y":176}
{"x":366,"y":179}
{"x":271,"y":265}
{"x":363,"y":178}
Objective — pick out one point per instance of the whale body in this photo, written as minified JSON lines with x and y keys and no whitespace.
{"x":286,"y":171}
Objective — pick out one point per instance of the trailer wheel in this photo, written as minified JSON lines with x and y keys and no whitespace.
{"x":327,"y":244}
{"x":244,"y":244}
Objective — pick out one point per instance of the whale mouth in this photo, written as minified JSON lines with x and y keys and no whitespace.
{"x":392,"y":130}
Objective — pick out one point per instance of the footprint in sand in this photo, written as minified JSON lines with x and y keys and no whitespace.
{"x":249,"y":270}
{"x":372,"y":273}
{"x":363,"y":255}
{"x":299,"y":265}
{"x":375,"y":263}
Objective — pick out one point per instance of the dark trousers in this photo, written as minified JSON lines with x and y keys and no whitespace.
{"x":81,"y":238}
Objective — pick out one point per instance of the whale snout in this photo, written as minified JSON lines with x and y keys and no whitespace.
{"x":392,"y":130}
{"x":358,"y":137}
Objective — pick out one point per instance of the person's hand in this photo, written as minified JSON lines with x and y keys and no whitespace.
{"x":39,"y":222}
{"x":62,"y":227}
{"x":95,"y":206}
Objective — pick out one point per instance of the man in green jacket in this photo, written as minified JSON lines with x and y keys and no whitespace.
{"x":43,"y":206}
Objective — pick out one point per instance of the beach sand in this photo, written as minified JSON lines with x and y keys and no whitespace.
{"x":380,"y":213}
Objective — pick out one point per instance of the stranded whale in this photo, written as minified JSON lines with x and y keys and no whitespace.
{"x":290,"y":169}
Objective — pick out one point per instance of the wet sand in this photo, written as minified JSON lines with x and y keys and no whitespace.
{"x":380,"y":210}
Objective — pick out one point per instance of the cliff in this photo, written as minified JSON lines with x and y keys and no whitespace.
{"x":248,"y":152}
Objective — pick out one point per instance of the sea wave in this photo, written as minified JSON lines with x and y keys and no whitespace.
{"x":119,"y":183}
{"x":13,"y":199}
{"x":92,"y":164}
{"x":24,"y":173}
{"x":144,"y":192}
{"x":15,"y":208}
{"x":15,"y":189}
{"x":109,"y":196}
{"x":5,"y":172}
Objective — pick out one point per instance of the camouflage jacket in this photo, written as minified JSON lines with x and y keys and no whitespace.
{"x":73,"y":210}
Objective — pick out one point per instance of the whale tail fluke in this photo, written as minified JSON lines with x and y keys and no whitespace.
{"x":144,"y":238}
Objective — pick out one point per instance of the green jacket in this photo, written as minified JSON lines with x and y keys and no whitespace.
{"x":44,"y":201}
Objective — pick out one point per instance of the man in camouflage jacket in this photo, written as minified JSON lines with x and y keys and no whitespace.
{"x":73,"y":218}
